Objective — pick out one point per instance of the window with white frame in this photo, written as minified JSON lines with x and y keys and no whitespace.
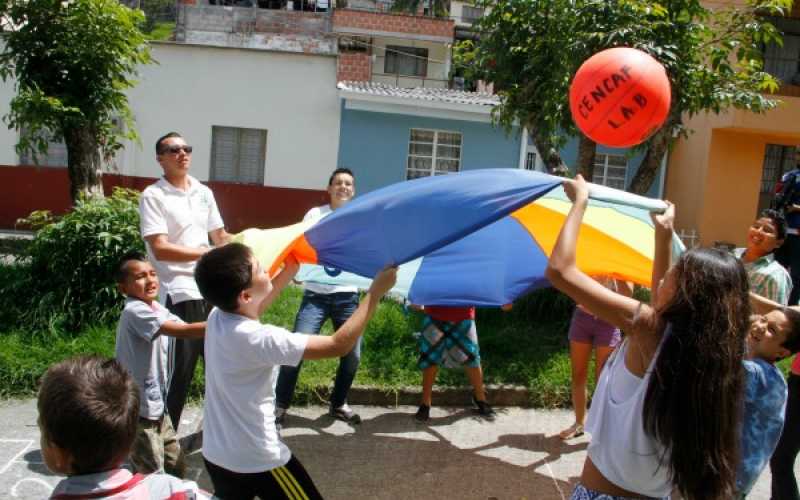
{"x":433,"y":152}
{"x":238,"y":154}
{"x":56,"y":155}
{"x":610,"y":170}
{"x":409,"y":61}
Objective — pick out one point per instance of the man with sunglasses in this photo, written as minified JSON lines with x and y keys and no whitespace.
{"x":178,"y":218}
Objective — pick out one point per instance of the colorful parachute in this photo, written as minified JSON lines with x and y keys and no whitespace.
{"x":474,"y":238}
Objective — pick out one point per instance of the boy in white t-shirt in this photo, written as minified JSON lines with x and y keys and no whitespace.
{"x":243,"y":452}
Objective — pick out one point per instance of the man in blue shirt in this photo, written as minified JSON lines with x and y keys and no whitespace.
{"x":787,"y":199}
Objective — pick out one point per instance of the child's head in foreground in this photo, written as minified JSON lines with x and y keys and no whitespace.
{"x":775,"y":335}
{"x":230,"y":277}
{"x":136,"y":277}
{"x":88,"y":411}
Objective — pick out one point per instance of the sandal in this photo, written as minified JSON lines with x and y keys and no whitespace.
{"x":573,"y":431}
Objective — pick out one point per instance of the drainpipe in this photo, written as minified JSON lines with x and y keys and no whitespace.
{"x":663,"y":176}
{"x":523,"y":147}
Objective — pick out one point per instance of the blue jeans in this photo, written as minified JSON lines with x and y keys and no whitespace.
{"x":315,"y":309}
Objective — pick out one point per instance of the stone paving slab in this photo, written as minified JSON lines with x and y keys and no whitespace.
{"x":389,"y":456}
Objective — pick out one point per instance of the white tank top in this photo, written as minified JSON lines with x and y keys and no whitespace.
{"x":620,"y":448}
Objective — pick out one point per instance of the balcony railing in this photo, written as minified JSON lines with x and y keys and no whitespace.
{"x":406,"y":82}
{"x":435,"y":75}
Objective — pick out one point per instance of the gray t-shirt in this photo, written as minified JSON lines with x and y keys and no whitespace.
{"x":143,"y":351}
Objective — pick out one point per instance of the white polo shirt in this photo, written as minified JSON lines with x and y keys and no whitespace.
{"x":186,"y":217}
{"x":318,"y":213}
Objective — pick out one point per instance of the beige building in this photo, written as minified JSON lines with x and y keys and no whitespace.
{"x":725,"y":172}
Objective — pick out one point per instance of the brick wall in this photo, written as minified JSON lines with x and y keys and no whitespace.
{"x":354,"y":66}
{"x":393,"y":23}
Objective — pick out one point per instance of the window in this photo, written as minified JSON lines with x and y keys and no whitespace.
{"x":56,"y":154}
{"x":470,"y":14}
{"x":238,"y":154}
{"x":778,"y":160}
{"x":530,"y":160}
{"x":410,"y":61}
{"x":609,"y":170}
{"x":783,"y":61}
{"x":433,"y":152}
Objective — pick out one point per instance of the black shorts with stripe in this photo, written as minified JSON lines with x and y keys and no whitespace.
{"x":290,"y":481}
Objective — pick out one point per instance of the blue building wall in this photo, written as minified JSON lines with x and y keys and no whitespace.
{"x":569,"y":153}
{"x":375,"y":145}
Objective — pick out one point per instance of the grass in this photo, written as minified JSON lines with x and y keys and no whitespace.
{"x":526,"y":346}
{"x":161,"y":31}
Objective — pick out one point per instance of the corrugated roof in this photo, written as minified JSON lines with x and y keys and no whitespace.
{"x":420,"y":93}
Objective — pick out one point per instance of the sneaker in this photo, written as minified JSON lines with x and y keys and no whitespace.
{"x":423,"y":414}
{"x":346,"y":414}
{"x":280,"y":416}
{"x":484,"y":409}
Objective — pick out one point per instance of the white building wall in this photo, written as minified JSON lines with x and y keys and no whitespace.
{"x":192,"y":88}
{"x":8,"y":138}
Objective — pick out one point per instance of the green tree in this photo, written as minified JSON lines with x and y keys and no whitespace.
{"x":71,"y":63}
{"x":531,"y":49}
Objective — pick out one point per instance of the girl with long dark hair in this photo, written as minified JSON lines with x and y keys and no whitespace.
{"x":666,"y":410}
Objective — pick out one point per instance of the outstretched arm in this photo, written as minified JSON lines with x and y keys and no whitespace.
{"x":564,"y":274}
{"x":181,"y":330}
{"x":663,"y":253}
{"x":343,"y":340}
{"x":280,"y":280}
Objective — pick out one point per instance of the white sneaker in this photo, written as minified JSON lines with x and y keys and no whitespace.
{"x":345,"y":413}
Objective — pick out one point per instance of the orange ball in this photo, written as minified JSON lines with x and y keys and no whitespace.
{"x":619,"y":97}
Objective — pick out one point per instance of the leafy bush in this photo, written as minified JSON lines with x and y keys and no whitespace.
{"x":63,"y":280}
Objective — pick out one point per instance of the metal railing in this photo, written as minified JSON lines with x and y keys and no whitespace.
{"x":689,"y":237}
{"x":435,"y":75}
{"x":786,"y":69}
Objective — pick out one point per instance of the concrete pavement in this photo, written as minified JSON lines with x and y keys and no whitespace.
{"x":389,"y":456}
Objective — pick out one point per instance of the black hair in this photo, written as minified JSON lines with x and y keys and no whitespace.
{"x":169,"y":135}
{"x":341,"y":170}
{"x":778,"y":220}
{"x":121,"y":271}
{"x":792,"y":342}
{"x":693,"y":400}
{"x":89,"y":406}
{"x":222,"y":273}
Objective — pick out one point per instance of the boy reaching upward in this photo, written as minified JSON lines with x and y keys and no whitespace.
{"x":243,"y":452}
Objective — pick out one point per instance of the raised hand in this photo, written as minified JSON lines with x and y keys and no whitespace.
{"x":576,"y":189}
{"x":665,"y":221}
{"x":384,"y":281}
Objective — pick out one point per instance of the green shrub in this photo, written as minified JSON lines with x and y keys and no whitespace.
{"x":63,"y":281}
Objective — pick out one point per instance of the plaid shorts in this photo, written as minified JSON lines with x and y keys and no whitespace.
{"x":448,"y":344}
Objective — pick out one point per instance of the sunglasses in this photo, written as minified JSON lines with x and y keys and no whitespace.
{"x":177,"y":149}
